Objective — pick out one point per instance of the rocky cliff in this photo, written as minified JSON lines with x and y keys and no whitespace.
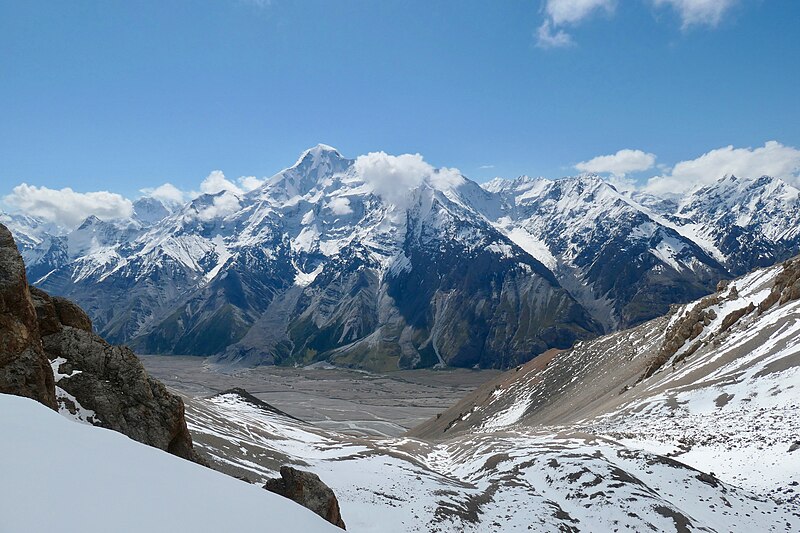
{"x":24,"y":368}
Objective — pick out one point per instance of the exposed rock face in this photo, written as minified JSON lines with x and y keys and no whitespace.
{"x":24,"y":368}
{"x":685,"y":329}
{"x":109,"y":380}
{"x":787,"y":285}
{"x":309,"y":491}
{"x":785,"y":288}
{"x":71,"y":315}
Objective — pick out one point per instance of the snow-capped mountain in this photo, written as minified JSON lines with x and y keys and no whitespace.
{"x":29,"y":231}
{"x":325,"y":262}
{"x":46,"y":248}
{"x":747,"y":223}
{"x":615,"y":256}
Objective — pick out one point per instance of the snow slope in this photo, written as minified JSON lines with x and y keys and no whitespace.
{"x":58,"y":475}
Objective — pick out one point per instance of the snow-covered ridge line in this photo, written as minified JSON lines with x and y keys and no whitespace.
{"x":156,"y":282}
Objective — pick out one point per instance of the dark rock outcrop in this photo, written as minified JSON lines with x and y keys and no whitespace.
{"x":733,"y":317}
{"x":69,"y":314}
{"x":309,"y":491}
{"x":110,"y":380}
{"x":786,"y":287}
{"x":24,"y":368}
{"x":687,"y":328}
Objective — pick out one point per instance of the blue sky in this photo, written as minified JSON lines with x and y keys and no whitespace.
{"x":121,"y":96}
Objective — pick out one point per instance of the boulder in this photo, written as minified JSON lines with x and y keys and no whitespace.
{"x":24,"y":367}
{"x":309,"y":491}
{"x":69,"y":314}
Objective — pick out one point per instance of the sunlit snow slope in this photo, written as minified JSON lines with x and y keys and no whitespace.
{"x":59,"y":475}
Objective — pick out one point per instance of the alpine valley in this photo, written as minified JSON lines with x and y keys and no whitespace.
{"x":326,"y":261}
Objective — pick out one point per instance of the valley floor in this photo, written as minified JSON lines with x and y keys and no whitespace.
{"x":347,"y":401}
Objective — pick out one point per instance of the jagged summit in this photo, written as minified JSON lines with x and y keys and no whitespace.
{"x":148,"y":210}
{"x":317,"y":152}
{"x":498,"y":184}
{"x":312,"y":168}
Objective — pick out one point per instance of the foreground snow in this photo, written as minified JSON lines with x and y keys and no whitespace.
{"x":61,"y":476}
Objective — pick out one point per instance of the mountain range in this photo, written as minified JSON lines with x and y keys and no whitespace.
{"x":331,"y":261}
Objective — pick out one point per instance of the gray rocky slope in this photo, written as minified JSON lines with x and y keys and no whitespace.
{"x":322,"y":263}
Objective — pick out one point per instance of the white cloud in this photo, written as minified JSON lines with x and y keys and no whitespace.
{"x":393,"y":177}
{"x":446,"y":178}
{"x":212,"y":184}
{"x":547,"y":38}
{"x":698,"y":12}
{"x":623,"y":183}
{"x":67,"y":207}
{"x":566,"y":12}
{"x":619,"y":164}
{"x":559,"y":14}
{"x":167,"y":194}
{"x":217,"y":182}
{"x":340,"y":206}
{"x":573,"y":11}
{"x":249,"y":183}
{"x":772,"y":159}
{"x":223,"y":205}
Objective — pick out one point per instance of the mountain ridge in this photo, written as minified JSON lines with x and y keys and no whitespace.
{"x":219,"y":262}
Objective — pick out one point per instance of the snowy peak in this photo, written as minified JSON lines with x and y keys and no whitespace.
{"x":312,"y":169}
{"x":567,"y":185}
{"x":28,"y":231}
{"x":149,"y":210}
{"x":615,"y":256}
{"x":743,"y":201}
{"x":754,"y":222}
{"x":500,"y":185}
{"x":317,"y":155}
